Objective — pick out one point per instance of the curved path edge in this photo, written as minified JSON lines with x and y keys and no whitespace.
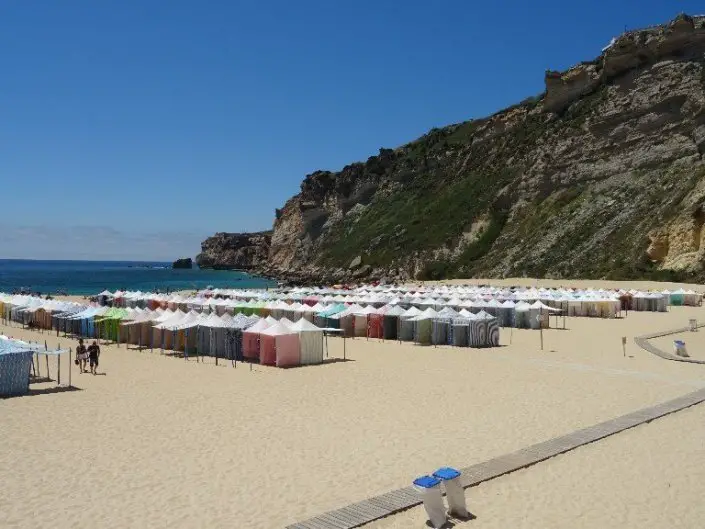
{"x":395,"y":501}
{"x":643,"y":342}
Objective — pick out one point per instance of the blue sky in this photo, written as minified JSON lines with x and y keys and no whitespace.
{"x":170,"y":120}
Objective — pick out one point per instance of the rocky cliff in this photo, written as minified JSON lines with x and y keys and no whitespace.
{"x":235,"y":251}
{"x":600,"y":176}
{"x":184,"y":262}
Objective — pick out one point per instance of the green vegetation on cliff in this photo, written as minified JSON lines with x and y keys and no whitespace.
{"x":602,"y":175}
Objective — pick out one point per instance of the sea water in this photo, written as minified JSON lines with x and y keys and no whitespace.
{"x":92,"y":277}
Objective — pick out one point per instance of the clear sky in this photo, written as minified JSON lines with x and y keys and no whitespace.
{"x":126,"y":122}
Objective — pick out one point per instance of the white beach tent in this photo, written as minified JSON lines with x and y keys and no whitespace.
{"x":311,"y":341}
{"x":164,"y":327}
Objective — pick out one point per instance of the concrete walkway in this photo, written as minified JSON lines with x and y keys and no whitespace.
{"x":392,"y":502}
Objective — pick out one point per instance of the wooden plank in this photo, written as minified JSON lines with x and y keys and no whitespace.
{"x":307,"y":524}
{"x":392,"y":503}
{"x":366,"y":512}
{"x":345,"y":517}
{"x":370,"y":509}
{"x":377,"y":507}
{"x":358,"y":513}
{"x":333,"y":521}
{"x":310,"y":524}
{"x":319,"y":523}
{"x":408,"y":496}
{"x":354,"y":516}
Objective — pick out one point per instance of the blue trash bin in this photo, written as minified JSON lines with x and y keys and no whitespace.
{"x":430,"y":491}
{"x":455,"y":493}
{"x":679,"y":348}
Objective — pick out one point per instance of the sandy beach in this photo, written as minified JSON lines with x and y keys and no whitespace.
{"x":163,"y":442}
{"x":694,"y":342}
{"x":568,"y":283}
{"x":650,"y":477}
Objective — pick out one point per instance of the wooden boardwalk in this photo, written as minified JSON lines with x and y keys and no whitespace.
{"x":643,"y":342}
{"x":378,"y":507}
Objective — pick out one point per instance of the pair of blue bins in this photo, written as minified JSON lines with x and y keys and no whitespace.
{"x":442,"y":474}
{"x":429,"y":489}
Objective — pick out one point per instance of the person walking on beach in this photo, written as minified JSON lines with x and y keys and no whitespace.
{"x":81,"y":355}
{"x":93,"y":354}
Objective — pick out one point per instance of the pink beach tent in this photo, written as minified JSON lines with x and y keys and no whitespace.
{"x":279,"y":346}
{"x":251,"y":339}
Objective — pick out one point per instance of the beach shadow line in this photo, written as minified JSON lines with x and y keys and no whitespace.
{"x":454,"y":520}
{"x":38,"y":380}
{"x":327,"y":361}
{"x":45,"y":391}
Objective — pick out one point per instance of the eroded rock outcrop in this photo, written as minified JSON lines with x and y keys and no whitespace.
{"x":683,"y":38}
{"x":235,"y":251}
{"x":184,"y":263}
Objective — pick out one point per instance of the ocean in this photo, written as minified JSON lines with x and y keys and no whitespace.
{"x":92,"y":277}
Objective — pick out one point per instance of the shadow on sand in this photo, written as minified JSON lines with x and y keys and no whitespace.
{"x":45,"y":391}
{"x":454,"y":520}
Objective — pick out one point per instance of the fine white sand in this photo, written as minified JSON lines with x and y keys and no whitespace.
{"x":649,"y":477}
{"x":162,"y":442}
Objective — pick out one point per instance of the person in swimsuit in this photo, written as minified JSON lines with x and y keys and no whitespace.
{"x":93,"y":354}
{"x":81,"y":355}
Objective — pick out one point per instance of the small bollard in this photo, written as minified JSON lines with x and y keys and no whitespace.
{"x":430,"y":491}
{"x":455,"y":493}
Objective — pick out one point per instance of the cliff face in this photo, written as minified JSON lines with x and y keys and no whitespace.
{"x":600,"y":176}
{"x":239,"y":251}
{"x":184,"y":262}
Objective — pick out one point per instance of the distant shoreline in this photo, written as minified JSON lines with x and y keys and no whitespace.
{"x":83,"y":278}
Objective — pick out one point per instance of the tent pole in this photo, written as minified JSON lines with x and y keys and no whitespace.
{"x":70,"y":367}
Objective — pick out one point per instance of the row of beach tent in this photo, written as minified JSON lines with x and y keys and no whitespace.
{"x":510,"y":313}
{"x":454,"y":295}
{"x":584,"y":303}
{"x":217,"y":329}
